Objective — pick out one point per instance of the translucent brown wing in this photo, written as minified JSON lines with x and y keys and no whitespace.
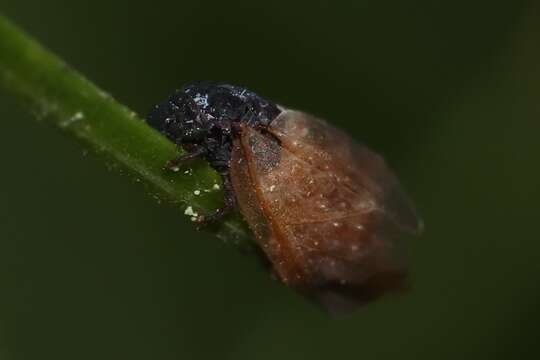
{"x":317,"y":142}
{"x":324,"y":209}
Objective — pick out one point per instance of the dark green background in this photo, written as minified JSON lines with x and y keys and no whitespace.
{"x":92,"y":268}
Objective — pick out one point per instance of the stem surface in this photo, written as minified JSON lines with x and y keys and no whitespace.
{"x":57,"y":94}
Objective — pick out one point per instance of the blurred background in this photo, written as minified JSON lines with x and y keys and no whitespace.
{"x":92,"y":268}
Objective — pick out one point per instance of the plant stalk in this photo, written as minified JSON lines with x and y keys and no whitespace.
{"x":60,"y":96}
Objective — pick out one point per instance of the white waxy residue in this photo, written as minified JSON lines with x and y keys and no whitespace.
{"x":79,"y":115}
{"x":189,"y":212}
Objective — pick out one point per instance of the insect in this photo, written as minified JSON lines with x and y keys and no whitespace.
{"x":325,"y":210}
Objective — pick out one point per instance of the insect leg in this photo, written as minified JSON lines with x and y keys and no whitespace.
{"x":229,"y":202}
{"x":197,"y":152}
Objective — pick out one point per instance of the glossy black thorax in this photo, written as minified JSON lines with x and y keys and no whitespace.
{"x":203,"y":116}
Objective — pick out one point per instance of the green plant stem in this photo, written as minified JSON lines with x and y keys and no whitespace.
{"x":58,"y":95}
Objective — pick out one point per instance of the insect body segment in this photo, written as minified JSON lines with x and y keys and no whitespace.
{"x":203,"y":118}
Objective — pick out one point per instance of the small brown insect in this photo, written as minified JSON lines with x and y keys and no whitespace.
{"x":325,"y":209}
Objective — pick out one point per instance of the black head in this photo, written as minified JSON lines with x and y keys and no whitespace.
{"x":203,"y":109}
